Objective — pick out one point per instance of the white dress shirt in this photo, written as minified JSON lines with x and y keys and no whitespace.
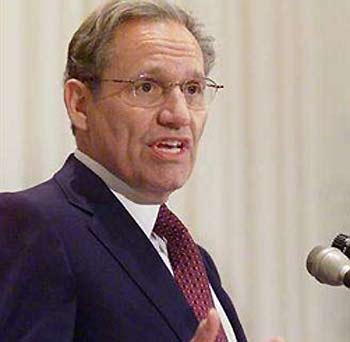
{"x":145,"y":216}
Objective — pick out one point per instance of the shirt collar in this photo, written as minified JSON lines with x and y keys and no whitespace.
{"x":144,"y":215}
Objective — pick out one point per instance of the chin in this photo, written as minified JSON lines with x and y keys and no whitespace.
{"x":172,"y":185}
{"x":163,"y":180}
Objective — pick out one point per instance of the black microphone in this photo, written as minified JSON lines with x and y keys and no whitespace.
{"x":329,"y":266}
{"x":342,"y":242}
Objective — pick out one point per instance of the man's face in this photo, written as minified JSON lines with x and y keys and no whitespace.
{"x":153,"y":149}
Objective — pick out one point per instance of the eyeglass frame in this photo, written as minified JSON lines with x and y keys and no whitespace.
{"x":164,"y":88}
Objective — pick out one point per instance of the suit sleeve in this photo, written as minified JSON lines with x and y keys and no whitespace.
{"x":37,"y":289}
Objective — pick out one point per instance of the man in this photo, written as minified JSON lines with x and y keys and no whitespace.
{"x":93,"y":254}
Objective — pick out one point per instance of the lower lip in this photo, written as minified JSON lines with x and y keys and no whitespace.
{"x":168,"y":154}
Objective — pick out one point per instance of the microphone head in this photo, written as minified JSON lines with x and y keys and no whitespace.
{"x":342,"y":242}
{"x":328,"y":265}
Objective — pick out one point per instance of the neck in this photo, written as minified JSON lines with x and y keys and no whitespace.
{"x":118,"y":185}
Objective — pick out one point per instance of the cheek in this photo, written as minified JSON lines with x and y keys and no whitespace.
{"x":129,"y":138}
{"x":110,"y":129}
{"x":108,"y":133}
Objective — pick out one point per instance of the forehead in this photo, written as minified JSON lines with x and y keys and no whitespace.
{"x":158,"y":47}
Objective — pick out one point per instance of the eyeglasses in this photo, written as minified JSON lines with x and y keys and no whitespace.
{"x":149,"y":92}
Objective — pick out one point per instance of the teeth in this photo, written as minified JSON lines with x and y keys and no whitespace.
{"x":172,"y":150}
{"x":170,"y":144}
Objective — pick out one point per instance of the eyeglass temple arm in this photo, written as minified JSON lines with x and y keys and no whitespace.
{"x":216,"y":86}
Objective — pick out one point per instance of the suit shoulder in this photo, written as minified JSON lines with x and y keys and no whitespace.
{"x":26,"y":212}
{"x":30,"y":200}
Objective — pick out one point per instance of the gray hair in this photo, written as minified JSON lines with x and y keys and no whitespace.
{"x":88,"y":49}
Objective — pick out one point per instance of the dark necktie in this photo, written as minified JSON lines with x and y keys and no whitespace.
{"x":187,"y":264}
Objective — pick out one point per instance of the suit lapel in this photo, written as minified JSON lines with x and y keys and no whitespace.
{"x":116,"y":230}
{"x":223,"y":297}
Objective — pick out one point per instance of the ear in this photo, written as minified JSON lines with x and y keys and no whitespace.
{"x":76,"y":97}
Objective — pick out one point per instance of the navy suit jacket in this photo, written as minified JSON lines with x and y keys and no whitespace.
{"x":75,"y":266}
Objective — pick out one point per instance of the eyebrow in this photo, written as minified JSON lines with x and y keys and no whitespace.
{"x":157,"y":72}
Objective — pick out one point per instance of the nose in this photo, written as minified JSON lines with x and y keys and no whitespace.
{"x":174,"y":112}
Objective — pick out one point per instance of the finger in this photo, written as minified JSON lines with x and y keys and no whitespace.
{"x":208,"y":328}
{"x":276,"y":339}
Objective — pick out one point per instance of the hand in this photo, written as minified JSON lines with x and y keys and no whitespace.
{"x":208,"y":328}
{"x":276,"y":339}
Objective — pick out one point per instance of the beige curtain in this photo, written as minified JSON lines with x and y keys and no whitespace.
{"x":272,"y":179}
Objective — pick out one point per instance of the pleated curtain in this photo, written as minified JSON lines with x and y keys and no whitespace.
{"x":272,"y":178}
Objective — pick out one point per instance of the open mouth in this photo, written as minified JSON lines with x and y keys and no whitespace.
{"x":172,"y":146}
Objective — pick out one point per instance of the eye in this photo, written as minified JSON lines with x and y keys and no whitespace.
{"x":193,"y":88}
{"x":145,"y":87}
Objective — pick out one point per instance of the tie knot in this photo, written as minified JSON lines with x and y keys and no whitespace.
{"x":169,"y":226}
